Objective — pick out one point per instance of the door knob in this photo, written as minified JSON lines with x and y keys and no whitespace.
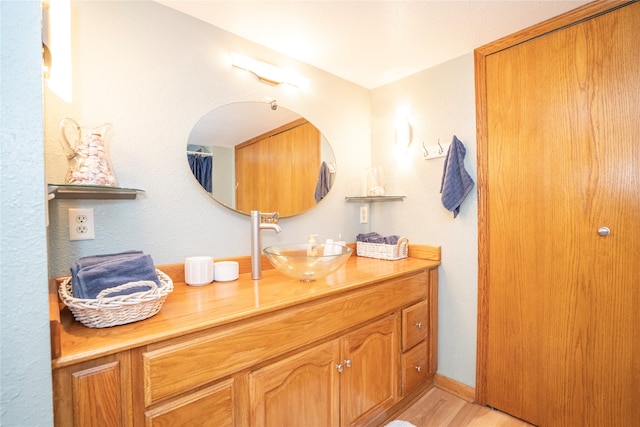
{"x":604,"y":231}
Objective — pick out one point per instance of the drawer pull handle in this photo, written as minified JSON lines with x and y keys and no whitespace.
{"x":419,"y":325}
{"x":418,"y":368}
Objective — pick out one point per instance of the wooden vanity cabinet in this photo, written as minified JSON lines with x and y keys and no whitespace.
{"x":344,"y":359}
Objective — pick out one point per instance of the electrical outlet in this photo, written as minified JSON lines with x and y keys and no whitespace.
{"x":364,"y":214}
{"x":81,"y":226}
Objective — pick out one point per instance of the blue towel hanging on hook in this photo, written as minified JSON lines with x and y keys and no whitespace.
{"x":456,"y":181}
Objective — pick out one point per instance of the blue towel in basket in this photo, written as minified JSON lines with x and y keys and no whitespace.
{"x":91,"y":275}
{"x":456,"y":181}
{"x":374,"y":237}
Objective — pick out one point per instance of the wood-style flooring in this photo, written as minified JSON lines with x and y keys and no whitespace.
{"x":437,"y":408}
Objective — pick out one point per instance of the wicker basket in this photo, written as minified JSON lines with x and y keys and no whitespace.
{"x":105,"y":311}
{"x":383,"y":251}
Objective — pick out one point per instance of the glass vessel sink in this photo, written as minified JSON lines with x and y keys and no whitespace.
{"x":292,"y":260}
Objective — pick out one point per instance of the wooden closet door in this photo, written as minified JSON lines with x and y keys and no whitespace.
{"x":297,"y":156}
{"x":561,"y":340}
{"x":252,"y":177}
{"x":279,"y":172}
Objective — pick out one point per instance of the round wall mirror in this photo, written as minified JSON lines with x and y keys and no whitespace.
{"x":261,"y":156}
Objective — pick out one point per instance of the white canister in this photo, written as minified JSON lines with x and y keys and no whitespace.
{"x":226,"y":271}
{"x":198,"y":270}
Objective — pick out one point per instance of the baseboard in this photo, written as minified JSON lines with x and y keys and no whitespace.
{"x":454,"y":387}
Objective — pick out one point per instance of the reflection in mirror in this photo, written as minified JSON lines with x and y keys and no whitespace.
{"x":261,"y":156}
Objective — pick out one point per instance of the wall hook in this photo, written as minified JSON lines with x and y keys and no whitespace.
{"x":435,"y":151}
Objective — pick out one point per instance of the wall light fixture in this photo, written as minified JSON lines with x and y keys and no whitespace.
{"x":268,"y":73}
{"x":403,"y":132}
{"x":56,"y":46}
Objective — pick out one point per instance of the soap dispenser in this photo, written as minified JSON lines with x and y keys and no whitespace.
{"x":312,"y":246}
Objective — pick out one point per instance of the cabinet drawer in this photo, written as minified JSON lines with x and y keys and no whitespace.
{"x":414,"y":367}
{"x":212,"y":406}
{"x":415,"y":324}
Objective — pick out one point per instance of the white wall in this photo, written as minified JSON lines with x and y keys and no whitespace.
{"x":440,"y":103}
{"x":153,"y":78}
{"x":25,"y":361}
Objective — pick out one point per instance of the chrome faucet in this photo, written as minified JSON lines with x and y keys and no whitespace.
{"x":260,"y":221}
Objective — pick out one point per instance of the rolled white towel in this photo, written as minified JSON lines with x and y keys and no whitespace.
{"x":399,"y":423}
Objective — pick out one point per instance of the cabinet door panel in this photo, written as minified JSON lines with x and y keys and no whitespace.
{"x":211,"y":407}
{"x":96,"y":396}
{"x":94,"y":393}
{"x":369,"y":382}
{"x":298,"y":391}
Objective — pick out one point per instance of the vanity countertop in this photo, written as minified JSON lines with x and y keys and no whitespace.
{"x":190,"y":309}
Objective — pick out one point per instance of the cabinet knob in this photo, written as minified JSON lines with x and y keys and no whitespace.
{"x":604,"y":231}
{"x":347,"y":363}
{"x":339,"y":367}
{"x":418,"y":368}
{"x":419,"y":325}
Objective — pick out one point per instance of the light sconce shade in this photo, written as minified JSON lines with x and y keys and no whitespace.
{"x":403,"y":133}
{"x":268,"y":73}
{"x":56,"y":46}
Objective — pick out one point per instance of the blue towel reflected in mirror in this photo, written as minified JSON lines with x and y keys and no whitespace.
{"x":201,"y":165}
{"x":324,"y":182}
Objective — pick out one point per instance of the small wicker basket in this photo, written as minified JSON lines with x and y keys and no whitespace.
{"x":105,"y":311}
{"x":383,"y":251}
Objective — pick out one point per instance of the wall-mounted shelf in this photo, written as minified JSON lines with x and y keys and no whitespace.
{"x":369,"y":199}
{"x":72,"y":191}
